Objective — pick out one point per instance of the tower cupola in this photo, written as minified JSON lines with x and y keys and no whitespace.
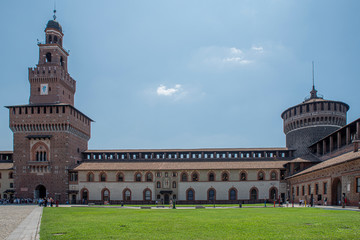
{"x":50,"y":81}
{"x":312,"y":120}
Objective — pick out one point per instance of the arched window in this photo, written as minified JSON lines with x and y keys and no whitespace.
{"x":147,"y":195}
{"x":39,"y":152}
{"x":127,"y":194}
{"x":243,"y":176}
{"x":137,"y":177}
{"x":105,"y":195}
{"x":211,"y":194}
{"x":184,"y":177}
{"x":149,"y":177}
{"x":174,"y":184}
{"x":195,"y":177}
{"x":261,"y":176}
{"x":190,"y":194}
{"x":103,"y":177}
{"x":273,"y":193}
{"x":232,"y":194}
{"x":224,"y":176}
{"x":11,"y":175}
{"x":211,"y":177}
{"x":253,"y":194}
{"x":90,"y":177}
{"x":55,"y":39}
{"x":50,"y":39}
{"x":158,"y":184}
{"x":120,"y":177}
{"x":273,"y":175}
{"x":48,"y":57}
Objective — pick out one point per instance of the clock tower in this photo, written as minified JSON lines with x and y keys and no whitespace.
{"x":50,"y":134}
{"x":50,"y":81}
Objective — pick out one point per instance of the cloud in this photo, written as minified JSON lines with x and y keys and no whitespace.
{"x":227,"y":57}
{"x":163,"y":91}
{"x":258,"y":49}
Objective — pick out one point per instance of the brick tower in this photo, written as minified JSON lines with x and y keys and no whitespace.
{"x":49,"y":132}
{"x":311,"y":120}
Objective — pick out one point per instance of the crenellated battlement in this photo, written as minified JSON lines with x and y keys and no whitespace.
{"x":51,"y":73}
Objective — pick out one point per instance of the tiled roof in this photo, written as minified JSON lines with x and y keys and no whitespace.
{"x":331,"y":162}
{"x":6,"y":165}
{"x":102,"y":166}
{"x":188,"y":150}
{"x":306,"y":158}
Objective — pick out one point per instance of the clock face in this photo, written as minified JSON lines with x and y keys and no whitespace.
{"x":44,"y":89}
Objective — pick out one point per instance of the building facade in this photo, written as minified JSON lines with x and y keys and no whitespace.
{"x":51,"y":157}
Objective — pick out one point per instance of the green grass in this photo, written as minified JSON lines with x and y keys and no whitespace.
{"x":236,"y":223}
{"x":194,"y":205}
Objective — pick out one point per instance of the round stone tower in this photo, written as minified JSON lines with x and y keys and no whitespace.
{"x":311,"y":120}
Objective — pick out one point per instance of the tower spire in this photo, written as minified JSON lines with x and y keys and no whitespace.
{"x":313,"y":92}
{"x":54,"y":11}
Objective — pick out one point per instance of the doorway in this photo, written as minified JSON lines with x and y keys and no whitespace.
{"x":166,"y":199}
{"x":336,"y":192}
{"x":40,"y":191}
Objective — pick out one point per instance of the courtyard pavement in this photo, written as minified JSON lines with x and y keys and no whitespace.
{"x":23,"y":221}
{"x":20,"y":222}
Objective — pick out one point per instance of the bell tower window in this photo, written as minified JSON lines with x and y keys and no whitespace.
{"x":50,"y":39}
{"x":55,"y":39}
{"x":61,"y":61}
{"x":48,"y":57}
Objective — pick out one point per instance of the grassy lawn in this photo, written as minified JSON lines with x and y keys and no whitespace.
{"x":236,"y":223}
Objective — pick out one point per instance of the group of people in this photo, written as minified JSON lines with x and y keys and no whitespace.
{"x":47,"y":202}
{"x":16,"y":201}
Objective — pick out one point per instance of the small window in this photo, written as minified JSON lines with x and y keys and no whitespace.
{"x":195,"y":177}
{"x":174,"y":174}
{"x":158,"y":184}
{"x":102,"y":177}
{"x":11,"y":175}
{"x":190,"y":195}
{"x":325,"y":187}
{"x":127,"y":195}
{"x":232,"y":194}
{"x":55,"y":39}
{"x":273,"y":175}
{"x":184,"y":177}
{"x":211,"y":177}
{"x":243,"y":176}
{"x":138,"y":177}
{"x":48,"y":57}
{"x":253,"y":194}
{"x":147,"y":195}
{"x":358,"y":185}
{"x":11,"y":185}
{"x":120,"y":177}
{"x":211,"y":195}
{"x":158,"y":174}
{"x":90,"y":177}
{"x":225,"y":176}
{"x":149,"y":177}
{"x":261,"y":176}
{"x":174,"y":184}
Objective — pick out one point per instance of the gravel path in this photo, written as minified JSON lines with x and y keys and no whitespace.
{"x":11,"y":216}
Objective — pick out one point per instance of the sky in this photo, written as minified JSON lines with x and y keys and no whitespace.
{"x":187,"y":74}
